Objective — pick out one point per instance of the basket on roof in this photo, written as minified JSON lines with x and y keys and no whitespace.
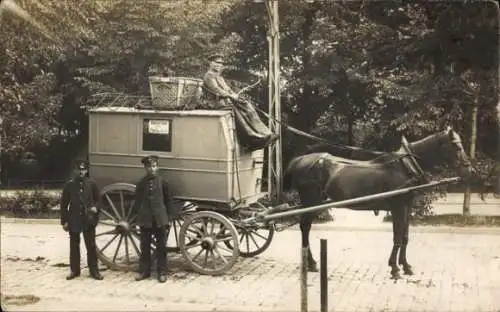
{"x":175,"y":92}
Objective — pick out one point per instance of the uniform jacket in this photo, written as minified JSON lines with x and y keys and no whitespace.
{"x":153,"y":202}
{"x":216,"y":90}
{"x":78,"y":196}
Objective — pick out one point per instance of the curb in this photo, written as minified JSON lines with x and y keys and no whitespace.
{"x":330,"y":227}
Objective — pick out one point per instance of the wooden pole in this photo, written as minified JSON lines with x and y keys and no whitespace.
{"x":324,"y":276}
{"x":472,"y":155}
{"x":303,"y":280}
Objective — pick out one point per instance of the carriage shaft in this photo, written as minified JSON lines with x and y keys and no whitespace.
{"x":265,"y":216}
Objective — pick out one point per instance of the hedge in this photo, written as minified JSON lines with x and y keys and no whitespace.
{"x":29,"y":205}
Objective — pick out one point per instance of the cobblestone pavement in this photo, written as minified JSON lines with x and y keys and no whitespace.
{"x":454,"y":272}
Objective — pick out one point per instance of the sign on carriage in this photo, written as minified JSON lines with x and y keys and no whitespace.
{"x":159,"y":126}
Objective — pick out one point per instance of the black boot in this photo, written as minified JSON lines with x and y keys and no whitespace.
{"x":142,"y":276}
{"x":72,"y":275}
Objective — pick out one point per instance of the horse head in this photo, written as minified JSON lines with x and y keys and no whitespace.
{"x":444,"y":147}
{"x":454,"y":143}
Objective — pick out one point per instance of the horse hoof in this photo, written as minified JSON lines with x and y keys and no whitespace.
{"x":408,"y":271}
{"x":395,"y":274}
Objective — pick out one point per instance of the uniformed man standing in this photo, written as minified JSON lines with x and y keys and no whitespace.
{"x":79,"y":214}
{"x":153,"y":204}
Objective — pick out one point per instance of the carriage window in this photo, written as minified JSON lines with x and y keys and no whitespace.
{"x":157,"y":135}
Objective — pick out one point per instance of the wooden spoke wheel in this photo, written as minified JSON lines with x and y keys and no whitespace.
{"x":117,"y":236}
{"x":253,"y":240}
{"x":202,"y":241}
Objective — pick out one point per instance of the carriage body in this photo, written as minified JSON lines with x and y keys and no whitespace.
{"x":199,"y":153}
{"x":211,"y":175}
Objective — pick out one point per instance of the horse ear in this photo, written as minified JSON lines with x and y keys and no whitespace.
{"x":448,"y":129}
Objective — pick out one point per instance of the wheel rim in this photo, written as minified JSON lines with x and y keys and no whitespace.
{"x":202,"y":241}
{"x":117,"y":236}
{"x":253,"y":240}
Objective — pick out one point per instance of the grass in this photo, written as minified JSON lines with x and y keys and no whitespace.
{"x":457,"y":220}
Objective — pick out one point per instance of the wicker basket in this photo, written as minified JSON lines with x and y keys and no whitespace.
{"x":175,"y":92}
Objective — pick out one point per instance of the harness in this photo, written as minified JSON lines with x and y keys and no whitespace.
{"x":410,"y":163}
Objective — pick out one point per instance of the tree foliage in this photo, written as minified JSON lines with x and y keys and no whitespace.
{"x":355,"y":72}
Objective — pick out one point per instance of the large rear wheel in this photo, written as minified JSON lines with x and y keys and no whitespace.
{"x":117,"y":236}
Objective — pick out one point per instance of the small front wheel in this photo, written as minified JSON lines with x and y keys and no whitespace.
{"x":202,"y":240}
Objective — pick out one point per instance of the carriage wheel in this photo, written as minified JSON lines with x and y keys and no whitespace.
{"x":117,"y":236}
{"x":253,"y":240}
{"x":202,"y":241}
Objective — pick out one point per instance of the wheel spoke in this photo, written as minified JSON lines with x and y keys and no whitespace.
{"x":175,"y":232}
{"x":198,"y":254}
{"x":204,"y":228}
{"x":255,"y":232}
{"x":108,"y":223}
{"x":214,"y":263}
{"x":248,"y":244}
{"x":224,"y":248}
{"x":242,"y":237}
{"x":133,"y":218}
{"x":220,"y":256}
{"x":122,"y":204}
{"x":113,"y":206}
{"x":109,"y":243}
{"x":206,"y":257}
{"x":196,"y":231}
{"x":134,"y":244}
{"x":212,"y":228}
{"x":253,"y":240}
{"x":225,"y":239}
{"x":193,"y":246}
{"x":192,"y":237}
{"x":130,"y":208}
{"x":107,"y":214}
{"x":127,"y":258}
{"x":118,"y":247}
{"x":107,"y":232}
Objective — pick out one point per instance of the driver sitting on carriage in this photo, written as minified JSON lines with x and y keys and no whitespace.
{"x":218,"y":95}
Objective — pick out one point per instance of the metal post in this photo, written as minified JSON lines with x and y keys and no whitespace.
{"x":303,"y":280}
{"x":323,"y":276}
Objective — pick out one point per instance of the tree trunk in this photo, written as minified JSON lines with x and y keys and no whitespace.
{"x":472,"y":152}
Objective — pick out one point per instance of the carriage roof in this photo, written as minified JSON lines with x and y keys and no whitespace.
{"x":131,"y":110}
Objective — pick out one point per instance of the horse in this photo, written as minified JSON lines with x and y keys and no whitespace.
{"x":322,"y":176}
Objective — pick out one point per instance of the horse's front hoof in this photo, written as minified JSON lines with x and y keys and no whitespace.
{"x":395,"y":275}
{"x":408,"y":270}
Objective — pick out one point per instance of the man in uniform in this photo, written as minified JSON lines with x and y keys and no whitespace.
{"x":79,"y":214}
{"x":218,"y":95}
{"x":154,"y":207}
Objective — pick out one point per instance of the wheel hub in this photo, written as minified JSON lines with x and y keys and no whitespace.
{"x":123,"y":227}
{"x":208,"y":243}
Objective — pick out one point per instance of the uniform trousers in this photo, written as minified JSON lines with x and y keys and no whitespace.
{"x":74,"y":250}
{"x":161,"y":250}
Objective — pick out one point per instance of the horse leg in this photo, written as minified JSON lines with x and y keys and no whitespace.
{"x":402,"y":255}
{"x":305,"y":229}
{"x":397,"y":232}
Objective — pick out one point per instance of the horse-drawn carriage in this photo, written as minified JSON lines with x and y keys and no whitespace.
{"x":214,"y":179}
